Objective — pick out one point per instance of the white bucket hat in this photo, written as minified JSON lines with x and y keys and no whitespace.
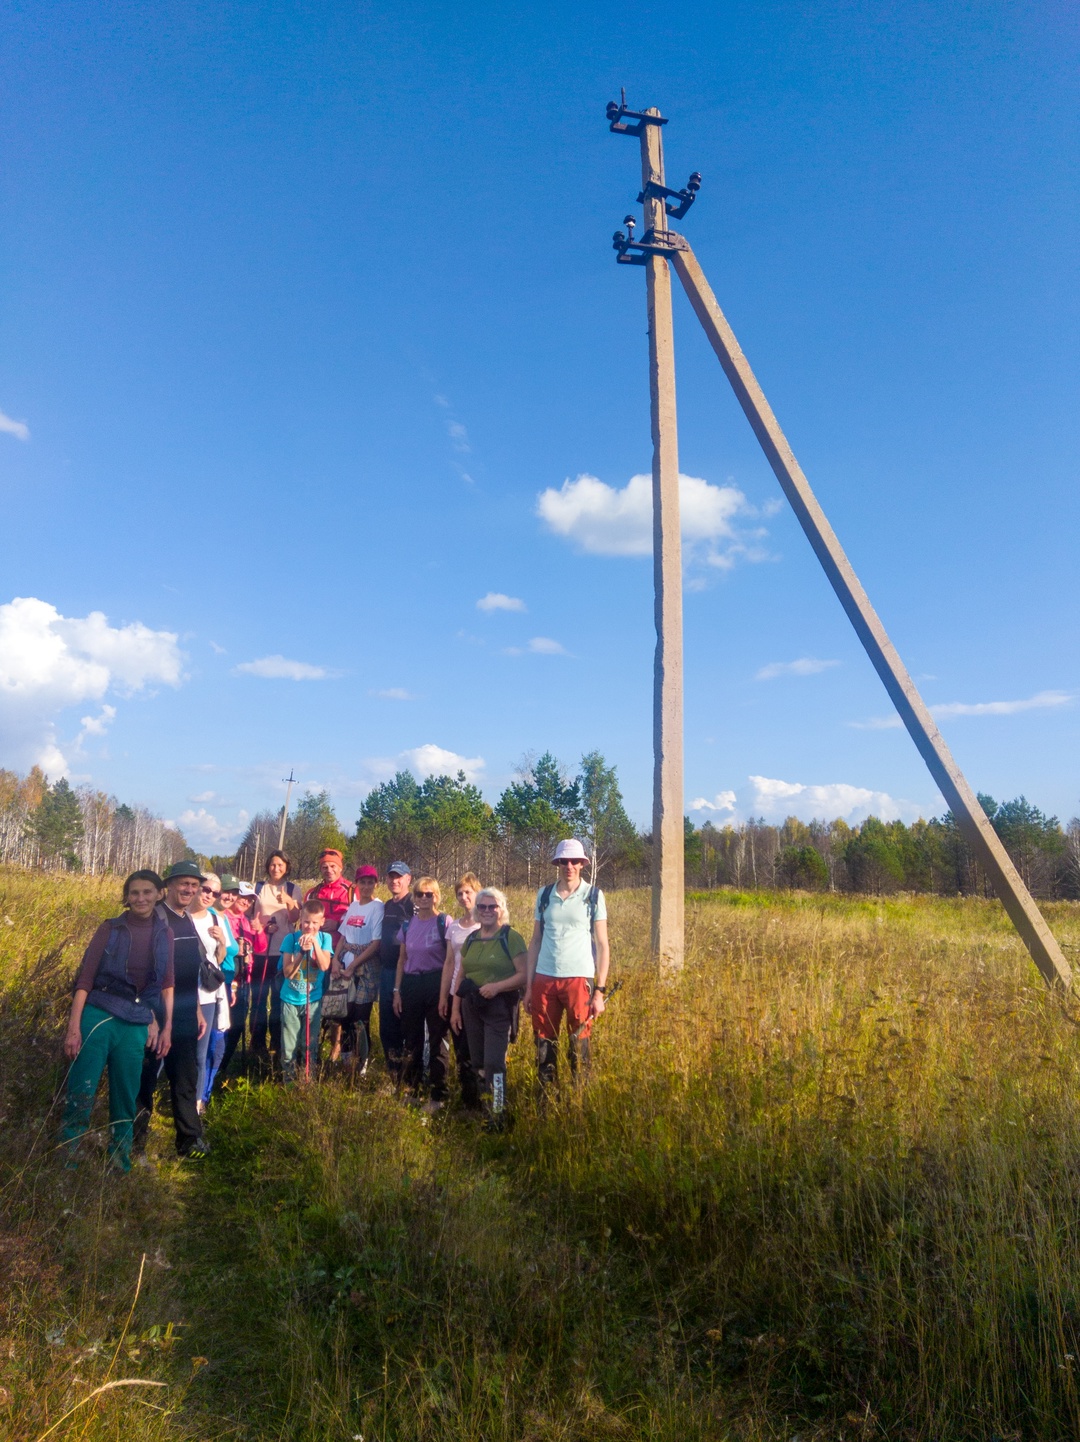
{"x":570,"y":851}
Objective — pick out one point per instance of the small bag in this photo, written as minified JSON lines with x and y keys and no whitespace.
{"x":338,"y":998}
{"x":211,"y":975}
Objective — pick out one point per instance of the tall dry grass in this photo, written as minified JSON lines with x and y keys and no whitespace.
{"x":823,"y":1184}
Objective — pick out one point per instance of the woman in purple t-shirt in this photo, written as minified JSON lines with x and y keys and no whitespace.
{"x":416,"y":990}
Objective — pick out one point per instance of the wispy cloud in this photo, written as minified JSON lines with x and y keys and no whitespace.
{"x":538,"y":646}
{"x":19,"y":429}
{"x":1043,"y":700}
{"x":605,"y":521}
{"x":497,"y":601}
{"x":280,"y":668}
{"x":394,"y":693}
{"x":459,"y":437}
{"x":804,"y":666}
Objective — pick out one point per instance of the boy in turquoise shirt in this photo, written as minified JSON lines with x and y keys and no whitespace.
{"x":305,"y":958}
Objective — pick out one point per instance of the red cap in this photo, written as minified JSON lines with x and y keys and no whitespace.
{"x":331,"y":851}
{"x":367,"y":871}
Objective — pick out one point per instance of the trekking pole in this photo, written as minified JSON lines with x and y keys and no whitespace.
{"x":307,"y":1026}
{"x":589,"y":1020}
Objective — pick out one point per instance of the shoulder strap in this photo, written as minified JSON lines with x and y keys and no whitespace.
{"x":504,"y":934}
{"x":442,"y":925}
{"x":593,"y":904}
{"x":545,"y":898}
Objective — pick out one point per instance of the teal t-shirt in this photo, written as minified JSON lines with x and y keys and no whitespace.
{"x":308,"y":983}
{"x":566,"y":949}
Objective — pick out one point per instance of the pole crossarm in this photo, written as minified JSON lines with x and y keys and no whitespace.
{"x":965,"y":806}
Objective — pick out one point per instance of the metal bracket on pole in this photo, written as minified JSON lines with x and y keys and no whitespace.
{"x":653,"y":242}
{"x":617,"y":111}
{"x":686,"y":197}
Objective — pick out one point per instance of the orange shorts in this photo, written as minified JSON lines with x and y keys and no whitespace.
{"x":553,"y":995}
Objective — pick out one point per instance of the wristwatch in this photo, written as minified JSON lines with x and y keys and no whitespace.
{"x":601,"y":989}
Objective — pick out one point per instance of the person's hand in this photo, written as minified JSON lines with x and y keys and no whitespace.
{"x":307,"y":941}
{"x":397,"y":1003}
{"x":72,"y":1042}
{"x":596,"y":1006}
{"x":526,"y":1001}
{"x":489,"y":989}
{"x":444,"y":1006}
{"x":152,"y":1034}
{"x":234,"y":992}
{"x":455,"y":1016}
{"x":202,"y":1025}
{"x":217,"y":933}
{"x":164,"y":1041}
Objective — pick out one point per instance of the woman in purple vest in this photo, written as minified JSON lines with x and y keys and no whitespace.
{"x":127,"y":968}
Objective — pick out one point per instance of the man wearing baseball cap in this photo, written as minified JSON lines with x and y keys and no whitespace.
{"x":181,"y":1062}
{"x":568,"y":962}
{"x":396,"y":912}
{"x":356,"y":961}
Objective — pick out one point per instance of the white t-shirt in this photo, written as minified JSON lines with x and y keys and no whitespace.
{"x":221,"y":995}
{"x":456,"y":933}
{"x":360,"y":926}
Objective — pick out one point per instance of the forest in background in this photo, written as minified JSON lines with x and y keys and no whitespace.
{"x":442,"y":825}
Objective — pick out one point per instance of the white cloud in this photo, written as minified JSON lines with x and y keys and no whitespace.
{"x":393,"y":693}
{"x":431,"y":760}
{"x":804,"y":666}
{"x":722,"y":801}
{"x":19,"y":429}
{"x":545,"y":646}
{"x":1044,"y":700}
{"x":49,"y":662}
{"x":459,"y":437}
{"x":203,"y":796}
{"x":280,"y":668}
{"x":99,"y":724}
{"x":496,"y":601}
{"x":218,"y":650}
{"x":206,"y":832}
{"x":775,"y":799}
{"x":605,"y":521}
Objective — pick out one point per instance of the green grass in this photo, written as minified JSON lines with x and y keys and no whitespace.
{"x":825,"y":1184}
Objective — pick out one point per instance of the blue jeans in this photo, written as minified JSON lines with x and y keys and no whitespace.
{"x":391,"y":1032}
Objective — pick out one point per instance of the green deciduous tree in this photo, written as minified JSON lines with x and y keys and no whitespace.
{"x":609,"y":832}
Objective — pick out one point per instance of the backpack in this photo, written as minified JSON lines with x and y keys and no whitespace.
{"x":475,"y":936}
{"x":592,"y":903}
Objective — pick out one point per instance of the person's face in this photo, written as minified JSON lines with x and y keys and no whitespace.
{"x":398,"y":884}
{"x":209,"y":894}
{"x":330,"y":867}
{"x":244,"y":904}
{"x":466,"y":896}
{"x":424,"y":901}
{"x":569,"y":870}
{"x":365,"y":885}
{"x":488,"y":912}
{"x":182,"y":892}
{"x":311,"y":924}
{"x":228,"y":900}
{"x":276,"y":869}
{"x":142,"y":897}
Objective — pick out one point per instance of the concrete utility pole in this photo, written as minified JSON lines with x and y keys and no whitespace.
{"x":981,"y":837}
{"x":668,"y":841}
{"x":290,"y":781}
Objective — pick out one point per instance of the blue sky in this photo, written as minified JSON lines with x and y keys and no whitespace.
{"x":307,"y":306}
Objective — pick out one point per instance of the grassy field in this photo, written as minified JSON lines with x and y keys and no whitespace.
{"x":823,"y":1186}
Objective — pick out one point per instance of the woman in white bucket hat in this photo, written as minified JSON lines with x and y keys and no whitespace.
{"x":568,"y":961}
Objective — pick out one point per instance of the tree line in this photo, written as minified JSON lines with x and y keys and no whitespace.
{"x":56,"y":826}
{"x":443,"y":825}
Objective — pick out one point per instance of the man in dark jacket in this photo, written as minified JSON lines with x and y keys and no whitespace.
{"x":396,"y":912}
{"x":181,"y":1062}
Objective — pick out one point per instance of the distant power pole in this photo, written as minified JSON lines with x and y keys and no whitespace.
{"x":656,"y":248}
{"x":290,"y":781}
{"x":668,"y":831}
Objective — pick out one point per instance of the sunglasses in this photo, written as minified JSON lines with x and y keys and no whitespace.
{"x":484,"y":906}
{"x":424,"y":894}
{"x":209,"y":891}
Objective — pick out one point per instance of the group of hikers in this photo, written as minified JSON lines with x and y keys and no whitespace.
{"x":198,"y":965}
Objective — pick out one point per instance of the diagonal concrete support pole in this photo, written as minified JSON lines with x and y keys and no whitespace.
{"x":668,"y":843}
{"x":980,"y":835}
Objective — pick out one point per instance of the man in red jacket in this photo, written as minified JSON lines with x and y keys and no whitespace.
{"x":333,"y":891}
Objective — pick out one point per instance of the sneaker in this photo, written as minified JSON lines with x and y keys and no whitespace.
{"x":196,"y":1153}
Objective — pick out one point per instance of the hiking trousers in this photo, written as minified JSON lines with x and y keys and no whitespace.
{"x":181,"y":1066}
{"x":420,"y":1008}
{"x":486,"y":1021}
{"x":107,"y":1043}
{"x":299,"y":1025}
{"x":391,"y":1031}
